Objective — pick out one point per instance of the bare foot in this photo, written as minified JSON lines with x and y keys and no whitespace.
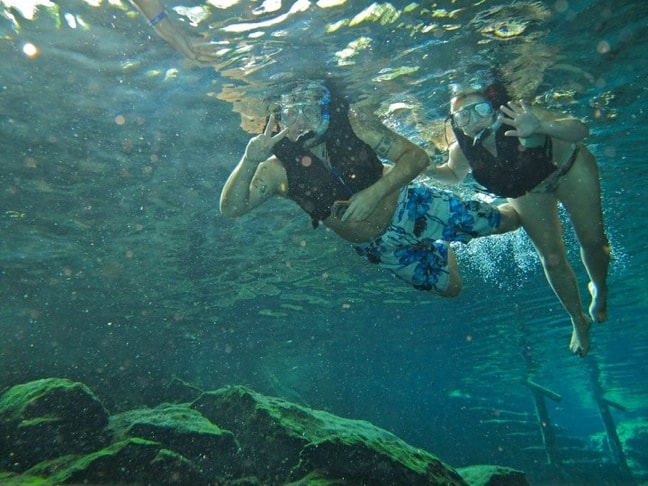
{"x":580,"y":342}
{"x":598,"y":307}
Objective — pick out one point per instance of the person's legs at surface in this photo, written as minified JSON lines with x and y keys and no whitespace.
{"x":539,"y":214}
{"x":580,"y":193}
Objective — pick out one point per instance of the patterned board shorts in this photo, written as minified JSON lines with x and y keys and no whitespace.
{"x":415,"y":244}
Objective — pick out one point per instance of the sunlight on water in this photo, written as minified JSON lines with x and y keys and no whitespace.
{"x":27,"y":8}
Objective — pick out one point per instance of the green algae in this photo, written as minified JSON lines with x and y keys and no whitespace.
{"x":20,"y":401}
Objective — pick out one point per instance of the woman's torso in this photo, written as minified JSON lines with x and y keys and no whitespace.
{"x":556,"y":158}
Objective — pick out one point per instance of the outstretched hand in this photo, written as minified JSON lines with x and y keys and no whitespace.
{"x":518,"y":116}
{"x":259,"y":148}
{"x":199,"y":50}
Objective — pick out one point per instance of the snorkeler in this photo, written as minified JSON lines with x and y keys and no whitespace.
{"x":325,"y":157}
{"x":536,"y":159}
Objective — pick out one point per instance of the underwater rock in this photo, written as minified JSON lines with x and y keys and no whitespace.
{"x":48,"y":418}
{"x":179,"y":391}
{"x":59,"y":433}
{"x":185,"y":431}
{"x":282,"y":442}
{"x":131,"y":461}
{"x":492,"y":476}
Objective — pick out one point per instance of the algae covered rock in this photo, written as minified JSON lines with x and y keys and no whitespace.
{"x":282,"y":442}
{"x":48,"y":418}
{"x":493,"y":476}
{"x":131,"y":461}
{"x":55,"y":431}
{"x":179,"y":391}
{"x":184,"y":430}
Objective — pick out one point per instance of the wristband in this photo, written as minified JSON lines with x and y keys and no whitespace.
{"x":158,"y":18}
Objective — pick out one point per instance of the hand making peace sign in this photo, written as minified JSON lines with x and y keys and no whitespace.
{"x":259,"y":148}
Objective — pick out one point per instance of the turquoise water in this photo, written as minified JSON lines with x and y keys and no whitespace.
{"x":117,"y":269}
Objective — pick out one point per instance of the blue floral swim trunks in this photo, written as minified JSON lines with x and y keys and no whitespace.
{"x":415,"y":244}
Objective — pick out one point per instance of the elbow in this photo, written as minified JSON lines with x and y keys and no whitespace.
{"x":413,"y":160}
{"x":421,"y":160}
{"x":227,"y":210}
{"x":230,"y":212}
{"x":579,"y":131}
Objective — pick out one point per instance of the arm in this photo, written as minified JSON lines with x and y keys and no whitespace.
{"x":454,"y":170}
{"x":409,"y":161}
{"x":256,"y":178}
{"x":527,"y":123}
{"x":149,"y":8}
{"x":196,"y":50}
{"x":249,"y":185}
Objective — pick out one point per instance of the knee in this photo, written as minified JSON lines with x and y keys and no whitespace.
{"x":452,"y":291}
{"x":454,"y":279}
{"x":596,"y":244}
{"x":510,"y":219}
{"x":554,"y":260}
{"x":454,"y":282}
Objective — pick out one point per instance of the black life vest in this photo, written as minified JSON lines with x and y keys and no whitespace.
{"x":313,"y":185}
{"x":515,"y":171}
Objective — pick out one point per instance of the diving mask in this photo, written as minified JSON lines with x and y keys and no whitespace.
{"x":310,"y":112}
{"x":462,"y":117}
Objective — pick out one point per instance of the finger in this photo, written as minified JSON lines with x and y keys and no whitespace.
{"x":202,"y":42}
{"x":279,"y":136}
{"x":351,"y":213}
{"x":514,"y":106}
{"x":270,"y":126}
{"x":524,"y":105}
{"x":348,"y":212}
{"x":518,"y":107}
{"x":507,"y":111}
{"x":206,"y":57}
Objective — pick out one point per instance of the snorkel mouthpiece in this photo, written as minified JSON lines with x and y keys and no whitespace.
{"x":482,"y":135}
{"x":304,"y":137}
{"x":485,"y":133}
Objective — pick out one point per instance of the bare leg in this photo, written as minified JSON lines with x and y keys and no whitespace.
{"x":455,"y":280}
{"x":539,"y":215}
{"x":510,"y":218}
{"x":581,"y":195}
